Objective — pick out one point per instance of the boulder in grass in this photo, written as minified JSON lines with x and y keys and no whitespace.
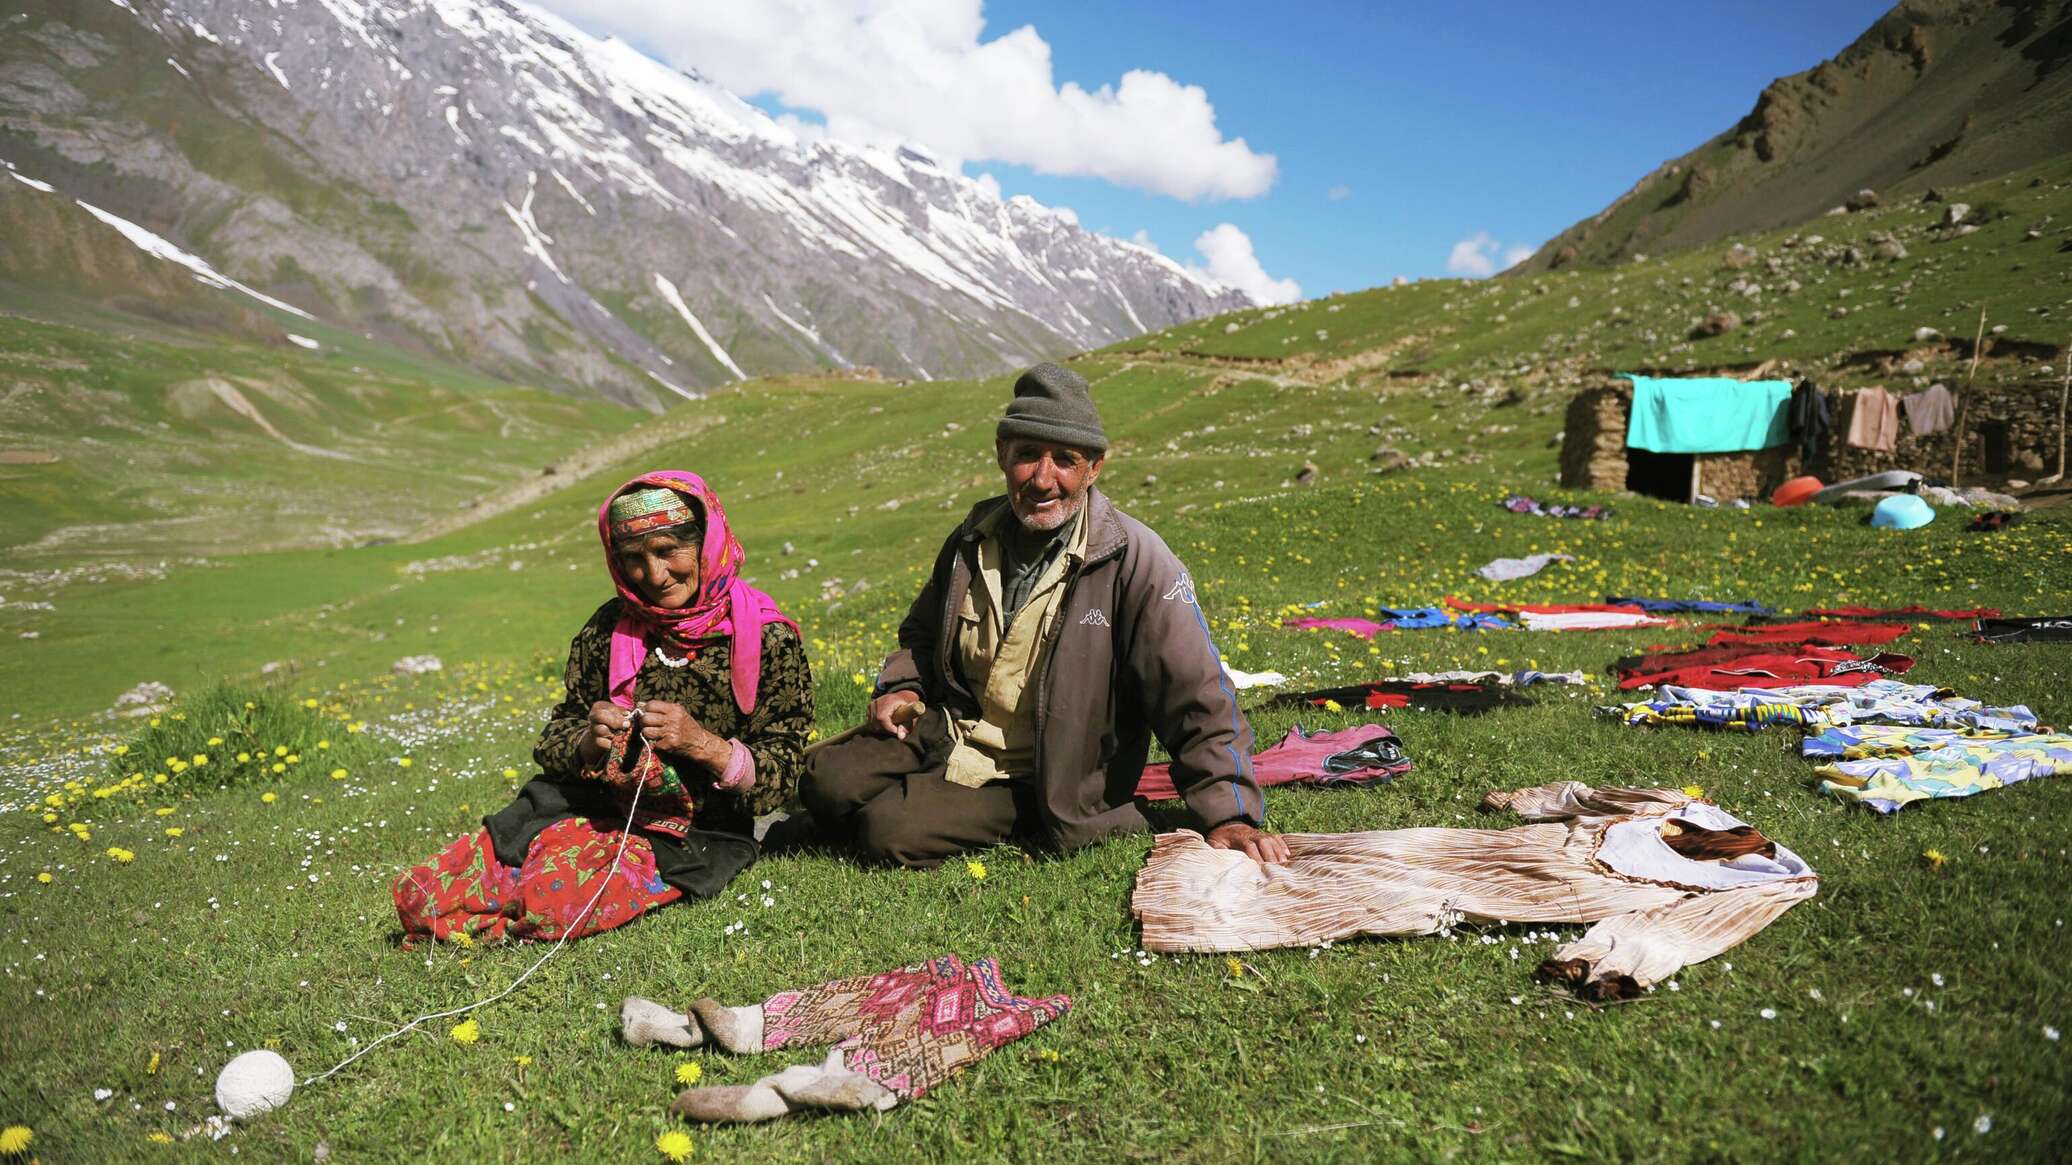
{"x":1954,"y":213}
{"x":144,"y":699}
{"x":416,"y":665}
{"x":1716,"y":324}
{"x":1863,"y":199}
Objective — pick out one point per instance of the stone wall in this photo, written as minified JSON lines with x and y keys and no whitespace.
{"x":1593,"y":438}
{"x":2012,"y":432}
{"x":1752,"y":475}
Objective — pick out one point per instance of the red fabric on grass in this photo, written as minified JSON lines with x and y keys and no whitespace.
{"x":1831,"y":634}
{"x":1807,"y":665}
{"x":1911,"y":612}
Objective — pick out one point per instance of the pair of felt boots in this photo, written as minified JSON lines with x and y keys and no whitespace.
{"x":829,"y":1085}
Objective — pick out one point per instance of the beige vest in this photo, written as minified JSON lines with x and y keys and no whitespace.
{"x":1003,"y":665}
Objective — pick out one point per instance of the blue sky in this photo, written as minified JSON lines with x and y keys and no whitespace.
{"x":1431,"y":123}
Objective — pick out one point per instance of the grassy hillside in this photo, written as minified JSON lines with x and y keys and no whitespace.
{"x":1936,"y":93}
{"x":1907,"y":1006}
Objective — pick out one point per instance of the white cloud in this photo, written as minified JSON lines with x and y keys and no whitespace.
{"x":882,"y":71}
{"x":1480,"y":255}
{"x":1339,"y":193}
{"x":1143,"y":239}
{"x":1232,"y":262}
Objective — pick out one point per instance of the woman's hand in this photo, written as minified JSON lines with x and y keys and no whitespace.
{"x":670,"y":729}
{"x":606,"y":720}
{"x":892,"y":712}
{"x":1255,"y":843}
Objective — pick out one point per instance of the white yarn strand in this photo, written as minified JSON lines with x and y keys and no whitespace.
{"x":625,"y":835}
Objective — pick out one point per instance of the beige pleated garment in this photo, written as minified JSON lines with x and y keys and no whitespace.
{"x":1599,"y":858}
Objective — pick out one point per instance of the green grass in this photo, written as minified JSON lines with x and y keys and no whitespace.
{"x":267,"y":922}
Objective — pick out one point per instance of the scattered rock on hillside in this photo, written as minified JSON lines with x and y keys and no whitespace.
{"x":1716,"y":324}
{"x":1308,"y":475}
{"x":416,"y":665}
{"x":144,"y":699}
{"x":1889,"y":250}
{"x":1739,"y":256}
{"x":1387,"y":458}
{"x":1932,"y":195}
{"x":1924,"y":334}
{"x":1863,"y":199}
{"x":1954,"y":213}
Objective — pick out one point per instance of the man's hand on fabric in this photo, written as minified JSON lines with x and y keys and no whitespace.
{"x":892,"y":712}
{"x":1262,"y":847}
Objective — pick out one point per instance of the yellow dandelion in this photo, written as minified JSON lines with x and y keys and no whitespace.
{"x":151,"y":1069}
{"x":310,"y":703}
{"x":522,"y":1061}
{"x":163,"y":811}
{"x":977,"y":870}
{"x":466,"y":1031}
{"x":1694,"y":790}
{"x":121,"y":855}
{"x":1234,"y":966}
{"x":159,"y":1137}
{"x":1333,"y":706}
{"x":280,"y":750}
{"x":688,"y":1073}
{"x":214,"y":741}
{"x":675,"y":1145}
{"x":267,"y":798}
{"x":122,"y":750}
{"x":44,"y":877}
{"x":403,"y":763}
{"x":244,"y":757}
{"x":1934,"y":858}
{"x":174,"y":831}
{"x":461,"y":938}
{"x":15,"y":1139}
{"x":201,"y":758}
{"x":510,"y":774}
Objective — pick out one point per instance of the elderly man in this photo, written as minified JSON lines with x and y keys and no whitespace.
{"x":1055,"y":635}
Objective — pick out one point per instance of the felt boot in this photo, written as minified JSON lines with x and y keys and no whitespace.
{"x":645,"y":1023}
{"x":826,"y":1085}
{"x":737,"y":1029}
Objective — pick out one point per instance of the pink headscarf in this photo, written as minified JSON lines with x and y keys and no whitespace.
{"x":723,"y":606}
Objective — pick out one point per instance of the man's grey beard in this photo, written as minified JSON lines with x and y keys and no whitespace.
{"x":1065,"y":513}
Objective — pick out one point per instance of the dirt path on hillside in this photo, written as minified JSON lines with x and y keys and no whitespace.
{"x":649,"y":434}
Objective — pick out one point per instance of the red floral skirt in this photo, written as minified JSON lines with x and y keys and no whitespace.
{"x":464,"y":890}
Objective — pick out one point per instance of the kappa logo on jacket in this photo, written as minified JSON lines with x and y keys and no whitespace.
{"x":1182,"y":590}
{"x":1094,"y":618}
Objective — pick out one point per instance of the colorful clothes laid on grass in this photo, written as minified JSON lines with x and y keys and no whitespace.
{"x":1364,"y":628}
{"x":1470,"y":698}
{"x":1899,"y":766}
{"x":1690,"y":606}
{"x":1803,"y":665}
{"x":1837,"y":634}
{"x":2046,"y":629}
{"x":1522,"y":504}
{"x":1564,"y":616}
{"x":1364,"y":755}
{"x":1517,"y":679}
{"x":1402,"y":619}
{"x":1668,"y":880}
{"x":905,"y":1032}
{"x":1992,"y":520}
{"x":1636,"y":670}
{"x":1817,"y":706}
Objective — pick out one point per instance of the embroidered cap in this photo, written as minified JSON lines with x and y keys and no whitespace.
{"x":641,"y":511}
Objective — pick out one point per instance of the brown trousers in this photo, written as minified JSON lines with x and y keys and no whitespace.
{"x":890,"y":796}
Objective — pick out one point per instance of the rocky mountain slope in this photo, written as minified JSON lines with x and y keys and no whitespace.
{"x":1937,"y":92}
{"x":480,"y":181}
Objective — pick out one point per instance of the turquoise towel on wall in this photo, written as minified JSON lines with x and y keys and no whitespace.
{"x":1708,"y":415}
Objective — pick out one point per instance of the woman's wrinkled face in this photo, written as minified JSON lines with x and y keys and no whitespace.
{"x":662,"y":566}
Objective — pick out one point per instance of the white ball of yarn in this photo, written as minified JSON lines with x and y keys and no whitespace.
{"x":254,"y":1084}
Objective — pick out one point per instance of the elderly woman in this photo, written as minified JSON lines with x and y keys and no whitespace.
{"x":689,"y":701}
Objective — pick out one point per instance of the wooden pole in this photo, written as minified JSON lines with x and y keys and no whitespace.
{"x":1964,"y":406}
{"x":2064,"y":391}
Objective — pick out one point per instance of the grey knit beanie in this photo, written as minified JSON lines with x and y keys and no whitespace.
{"x":1053,"y":403}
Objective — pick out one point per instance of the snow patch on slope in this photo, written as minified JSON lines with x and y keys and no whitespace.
{"x":683,"y":309}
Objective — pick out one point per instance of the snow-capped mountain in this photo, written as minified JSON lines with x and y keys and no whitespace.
{"x":480,"y":178}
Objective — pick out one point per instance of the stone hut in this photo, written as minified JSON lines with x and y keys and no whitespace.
{"x":1594,"y":456}
{"x":2012,"y":431}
